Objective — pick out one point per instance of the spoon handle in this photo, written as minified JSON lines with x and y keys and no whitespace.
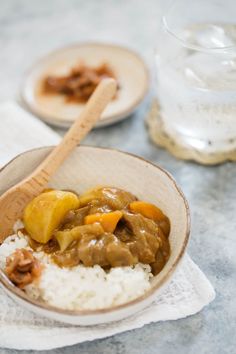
{"x":13,"y":201}
{"x":103,"y":94}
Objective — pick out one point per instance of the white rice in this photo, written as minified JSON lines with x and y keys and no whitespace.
{"x":80,"y":287}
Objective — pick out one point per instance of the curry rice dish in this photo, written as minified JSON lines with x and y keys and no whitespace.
{"x":93,"y":251}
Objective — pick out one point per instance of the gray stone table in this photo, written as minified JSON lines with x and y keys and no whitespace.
{"x":28,"y":30}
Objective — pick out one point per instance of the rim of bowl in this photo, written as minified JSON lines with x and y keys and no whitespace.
{"x":114,"y":118}
{"x":44,"y":306}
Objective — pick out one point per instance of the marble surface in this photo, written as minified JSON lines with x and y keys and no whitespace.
{"x":28,"y":30}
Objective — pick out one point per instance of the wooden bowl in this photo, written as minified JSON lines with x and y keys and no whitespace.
{"x":86,"y":168}
{"x":129,"y":68}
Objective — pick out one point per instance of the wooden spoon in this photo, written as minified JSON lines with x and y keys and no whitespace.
{"x":13,"y":201}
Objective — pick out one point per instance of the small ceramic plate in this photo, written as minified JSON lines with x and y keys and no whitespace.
{"x":91,"y":166}
{"x":128,"y":67}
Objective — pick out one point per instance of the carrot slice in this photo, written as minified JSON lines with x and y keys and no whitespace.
{"x":107,"y":220}
{"x":148,"y":210}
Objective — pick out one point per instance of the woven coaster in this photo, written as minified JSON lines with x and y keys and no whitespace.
{"x":160,"y":137}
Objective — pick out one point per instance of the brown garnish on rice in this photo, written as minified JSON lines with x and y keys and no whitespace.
{"x":22,"y":267}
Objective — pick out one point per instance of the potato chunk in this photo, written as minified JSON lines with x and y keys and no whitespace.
{"x":45,"y":213}
{"x":66,"y":237}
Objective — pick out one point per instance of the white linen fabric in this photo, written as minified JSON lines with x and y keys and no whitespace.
{"x":187,"y":293}
{"x":21,"y":131}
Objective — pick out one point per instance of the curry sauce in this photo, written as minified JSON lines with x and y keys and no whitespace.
{"x":106,"y":226}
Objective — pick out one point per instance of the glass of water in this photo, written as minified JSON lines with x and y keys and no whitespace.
{"x":196,"y":62}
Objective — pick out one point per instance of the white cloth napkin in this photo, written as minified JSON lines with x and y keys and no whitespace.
{"x":187,"y":293}
{"x":21,"y":131}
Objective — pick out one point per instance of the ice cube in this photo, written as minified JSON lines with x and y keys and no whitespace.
{"x":212,"y":36}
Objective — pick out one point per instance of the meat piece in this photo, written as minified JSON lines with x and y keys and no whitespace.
{"x":119,"y":254}
{"x":74,"y":218}
{"x":165,"y":226}
{"x":146,"y":236}
{"x":22,"y":268}
{"x":92,"y":250}
{"x":162,"y":254}
{"x":159,"y":263}
{"x":106,"y":250}
{"x":123,"y":233}
{"x":68,"y":258}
